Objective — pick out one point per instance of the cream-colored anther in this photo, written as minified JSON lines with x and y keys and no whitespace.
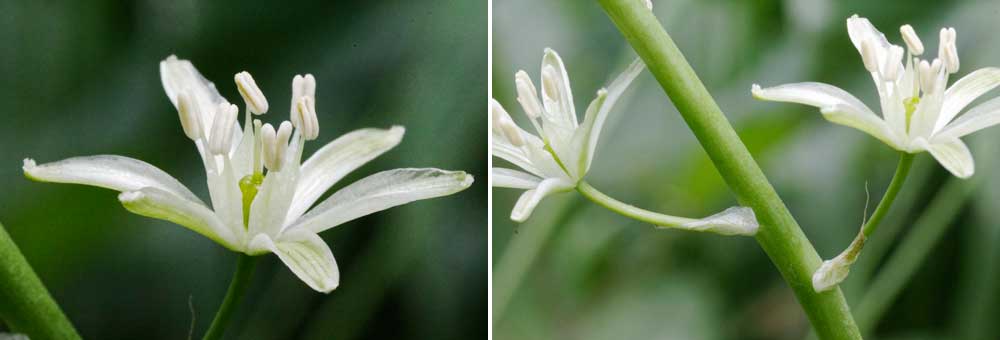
{"x":303,"y":86}
{"x":222,"y":129}
{"x":267,"y":137}
{"x":868,"y":55}
{"x":305,"y":118}
{"x":189,"y":115}
{"x":252,"y":96}
{"x":550,"y":84}
{"x":511,"y":132}
{"x":947,"y":49}
{"x":892,"y":66}
{"x":527,"y":95}
{"x":913,"y":42}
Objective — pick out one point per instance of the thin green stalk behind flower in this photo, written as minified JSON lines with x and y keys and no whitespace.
{"x":779,"y":235}
{"x":237,"y":289}
{"x":835,"y":270}
{"x":25,"y":305}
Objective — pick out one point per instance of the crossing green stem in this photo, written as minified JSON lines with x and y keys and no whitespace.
{"x":25,"y":304}
{"x":779,"y":234}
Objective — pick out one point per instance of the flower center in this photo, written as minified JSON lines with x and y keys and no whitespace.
{"x":249,"y":185}
{"x":911,"y":106}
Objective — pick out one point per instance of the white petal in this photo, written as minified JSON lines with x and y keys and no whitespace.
{"x":837,"y":106}
{"x":529,"y":199}
{"x":860,"y":30}
{"x":964,"y":91}
{"x":107,"y":171}
{"x":381,"y":191}
{"x":952,"y":154}
{"x":557,"y":98}
{"x":337,"y":159}
{"x":732,"y":221}
{"x":977,"y":118}
{"x":178,"y":75}
{"x":590,"y":130}
{"x":508,"y":178}
{"x":306,"y":255}
{"x":160,"y":204}
{"x":270,"y":206}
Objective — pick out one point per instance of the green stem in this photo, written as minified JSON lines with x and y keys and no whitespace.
{"x":237,"y":289}
{"x":628,"y":210}
{"x":912,"y":251}
{"x":779,"y":235}
{"x":851,"y":253}
{"x":902,"y":170}
{"x":25,"y":304}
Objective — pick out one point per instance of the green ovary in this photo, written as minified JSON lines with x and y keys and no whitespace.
{"x":911,"y":106}
{"x":249,"y":185}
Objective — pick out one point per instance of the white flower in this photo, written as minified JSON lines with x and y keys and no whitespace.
{"x":251,"y":212}
{"x":918,"y":112}
{"x":558,"y":159}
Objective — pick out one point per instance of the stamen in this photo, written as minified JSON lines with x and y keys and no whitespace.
{"x":252,"y":96}
{"x":947,"y":50}
{"x":305,"y":115}
{"x":511,"y":132}
{"x":868,"y":56}
{"x":527,"y":95}
{"x":189,"y":115}
{"x":890,"y":70}
{"x":302,"y":86}
{"x":551,"y":84}
{"x":257,"y":165}
{"x":267,"y":138}
{"x":222,"y":129}
{"x":913,"y":42}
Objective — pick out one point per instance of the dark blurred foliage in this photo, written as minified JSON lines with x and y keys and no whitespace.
{"x":81,"y":78}
{"x":597,"y":275}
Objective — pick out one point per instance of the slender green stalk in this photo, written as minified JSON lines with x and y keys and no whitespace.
{"x":25,"y":304}
{"x":779,"y":235}
{"x":237,"y":289}
{"x":902,"y":170}
{"x":520,"y":254}
{"x":835,"y":270}
{"x":628,"y":210}
{"x":912,"y":251}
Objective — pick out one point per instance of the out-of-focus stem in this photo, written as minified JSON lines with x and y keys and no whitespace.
{"x":25,"y":304}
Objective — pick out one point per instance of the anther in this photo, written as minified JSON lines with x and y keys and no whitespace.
{"x":303,"y":86}
{"x":252,"y":96}
{"x":868,"y":56}
{"x":550,"y":83}
{"x":222,"y":129}
{"x":527,"y":95}
{"x":947,"y":50}
{"x":305,"y":118}
{"x":912,"y":40}
{"x":511,"y":132}
{"x":890,"y":70}
{"x":190,"y":120}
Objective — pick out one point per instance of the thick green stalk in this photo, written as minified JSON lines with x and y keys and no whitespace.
{"x":25,"y":304}
{"x":779,"y":235}
{"x":237,"y":289}
{"x":912,"y":251}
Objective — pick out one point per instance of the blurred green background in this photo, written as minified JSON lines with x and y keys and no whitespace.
{"x":81,"y":78}
{"x":577,"y":271}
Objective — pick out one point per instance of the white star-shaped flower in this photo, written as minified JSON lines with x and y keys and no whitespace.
{"x":918,"y":112}
{"x":557,"y":159}
{"x":254,"y":212}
